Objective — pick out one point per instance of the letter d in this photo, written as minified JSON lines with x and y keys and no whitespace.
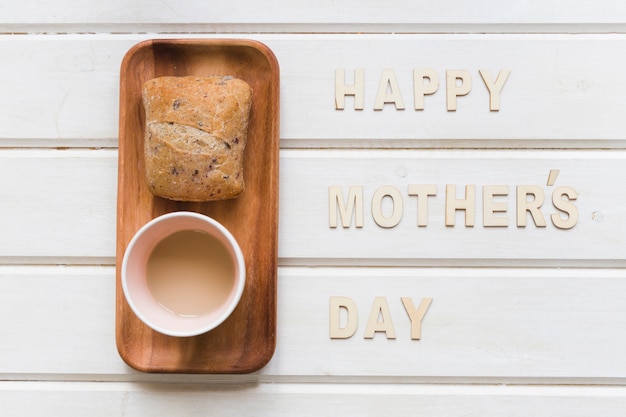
{"x":336,"y":305}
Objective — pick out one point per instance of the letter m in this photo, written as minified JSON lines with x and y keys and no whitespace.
{"x":344,"y":209}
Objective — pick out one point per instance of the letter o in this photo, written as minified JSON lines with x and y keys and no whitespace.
{"x":377,"y":206}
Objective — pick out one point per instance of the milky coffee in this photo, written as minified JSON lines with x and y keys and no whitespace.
{"x":190,"y":273}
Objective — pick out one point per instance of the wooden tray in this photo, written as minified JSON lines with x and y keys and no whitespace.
{"x":246,"y":341}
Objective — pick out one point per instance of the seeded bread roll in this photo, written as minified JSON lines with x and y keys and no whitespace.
{"x":195,"y":135}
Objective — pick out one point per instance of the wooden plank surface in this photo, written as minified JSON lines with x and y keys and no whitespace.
{"x":562,"y":91}
{"x":78,"y":223}
{"x":64,"y":399}
{"x":385,"y":178}
{"x":538,"y":332}
{"x":510,"y":326}
{"x":298,"y":16}
{"x":58,"y":206}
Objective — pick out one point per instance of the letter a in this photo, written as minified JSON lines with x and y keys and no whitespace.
{"x":389,"y":81}
{"x":380,"y":308}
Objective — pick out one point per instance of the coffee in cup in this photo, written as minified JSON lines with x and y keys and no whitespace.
{"x":183,"y":274}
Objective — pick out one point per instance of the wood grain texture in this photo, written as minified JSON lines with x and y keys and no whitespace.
{"x":552,"y":99}
{"x":78,"y":223}
{"x":246,"y":341}
{"x":507,"y":326}
{"x":598,"y":238}
{"x":495,"y":342}
{"x":85,"y":181}
{"x":63,"y":399}
{"x":455,"y":16}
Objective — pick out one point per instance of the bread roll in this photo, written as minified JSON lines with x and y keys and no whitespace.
{"x":195,"y":136}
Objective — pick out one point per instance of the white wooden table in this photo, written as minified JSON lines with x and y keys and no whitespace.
{"x":524,"y":320}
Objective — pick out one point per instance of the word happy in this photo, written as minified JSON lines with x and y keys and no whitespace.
{"x":425,"y":82}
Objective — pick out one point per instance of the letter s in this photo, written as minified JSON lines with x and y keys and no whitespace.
{"x":566,"y":206}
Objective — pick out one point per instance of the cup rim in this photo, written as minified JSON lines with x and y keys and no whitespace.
{"x":196,"y":325}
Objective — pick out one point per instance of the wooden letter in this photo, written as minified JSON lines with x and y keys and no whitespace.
{"x":554,"y":174}
{"x":453,"y":90}
{"x":422,"y":192}
{"x":337,"y":304}
{"x":490,"y":207}
{"x":342,"y":90}
{"x":354,"y":205}
{"x":396,"y":203}
{"x":380,"y":309}
{"x":453,"y":204}
{"x":388,"y":91}
{"x":494,"y":88}
{"x":565,"y":206}
{"x":420,"y":89}
{"x":533,"y":206}
{"x":416,"y":316}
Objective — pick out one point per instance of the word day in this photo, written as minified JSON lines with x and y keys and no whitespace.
{"x":425,"y":83}
{"x":344,"y":317}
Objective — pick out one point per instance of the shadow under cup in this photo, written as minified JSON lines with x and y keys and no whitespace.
{"x":173,"y":259}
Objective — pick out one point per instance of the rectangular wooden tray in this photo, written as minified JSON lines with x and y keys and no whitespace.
{"x":246,"y":341}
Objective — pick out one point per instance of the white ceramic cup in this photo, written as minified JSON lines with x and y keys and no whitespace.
{"x":146,"y":263}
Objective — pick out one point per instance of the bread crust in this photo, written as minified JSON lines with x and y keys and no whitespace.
{"x":195,"y":136}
